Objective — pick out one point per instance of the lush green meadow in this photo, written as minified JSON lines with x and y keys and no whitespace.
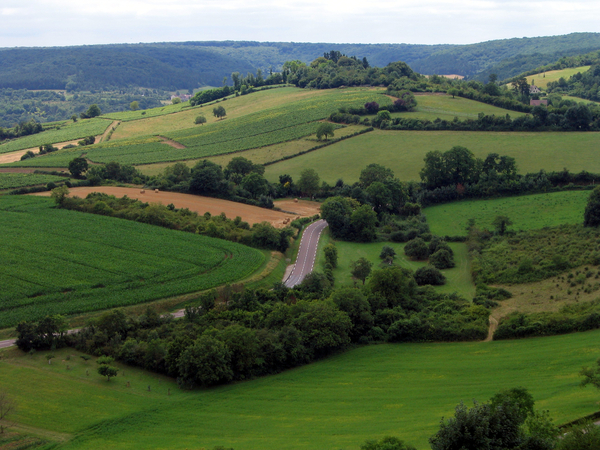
{"x":403,"y":152}
{"x":527,"y":212}
{"x":340,"y":402}
{"x":67,"y":132}
{"x":431,"y":107}
{"x":18,"y":180}
{"x":64,"y":262}
{"x":458,"y":278}
{"x":542,"y":79}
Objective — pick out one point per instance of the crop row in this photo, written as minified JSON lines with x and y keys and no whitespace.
{"x":67,"y":132}
{"x":69,"y":262}
{"x":18,"y":180}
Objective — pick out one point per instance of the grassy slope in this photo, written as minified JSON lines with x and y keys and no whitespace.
{"x":542,"y":79}
{"x":365,"y":393}
{"x":459,"y":277}
{"x":431,"y":107}
{"x":527,"y":212}
{"x":403,"y":152}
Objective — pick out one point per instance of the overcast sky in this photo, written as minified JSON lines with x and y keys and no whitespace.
{"x":26,"y":23}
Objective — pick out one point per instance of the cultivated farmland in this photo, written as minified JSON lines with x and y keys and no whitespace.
{"x":17,"y":180}
{"x":64,"y":262}
{"x":67,"y":132}
{"x":366,"y":393}
{"x":201,"y":205}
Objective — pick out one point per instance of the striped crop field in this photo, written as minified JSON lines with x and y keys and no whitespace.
{"x":19,"y":180}
{"x":48,"y":268}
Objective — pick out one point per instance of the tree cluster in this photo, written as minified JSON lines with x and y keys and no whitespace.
{"x":235,"y":333}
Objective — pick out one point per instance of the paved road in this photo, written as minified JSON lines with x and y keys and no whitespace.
{"x":8,"y":343}
{"x":305,"y":260}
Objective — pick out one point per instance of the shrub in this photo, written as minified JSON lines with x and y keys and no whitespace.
{"x":442,"y":259}
{"x":429,"y":275}
{"x":416,"y":249}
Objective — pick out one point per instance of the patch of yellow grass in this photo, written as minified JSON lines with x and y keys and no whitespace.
{"x":542,"y":79}
{"x":547,"y":296}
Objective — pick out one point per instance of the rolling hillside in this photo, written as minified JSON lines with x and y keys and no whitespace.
{"x":187,"y":65}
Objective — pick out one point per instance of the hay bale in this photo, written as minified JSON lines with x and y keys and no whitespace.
{"x":143,"y":191}
{"x":295,"y":200}
{"x":156,"y":190}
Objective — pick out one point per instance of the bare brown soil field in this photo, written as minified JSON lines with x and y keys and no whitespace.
{"x":302,"y":208}
{"x":215,"y":206}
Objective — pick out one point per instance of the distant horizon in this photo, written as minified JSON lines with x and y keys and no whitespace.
{"x":292,"y":42}
{"x":62,"y":23}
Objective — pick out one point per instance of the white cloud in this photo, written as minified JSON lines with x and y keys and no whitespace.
{"x":68,"y":22}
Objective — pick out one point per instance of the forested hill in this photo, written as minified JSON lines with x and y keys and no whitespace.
{"x":187,"y":65}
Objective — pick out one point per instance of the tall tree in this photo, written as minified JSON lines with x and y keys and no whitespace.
{"x":309,"y":182}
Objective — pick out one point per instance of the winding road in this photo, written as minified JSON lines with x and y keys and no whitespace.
{"x":305,"y":260}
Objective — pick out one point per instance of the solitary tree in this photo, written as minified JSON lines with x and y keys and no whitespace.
{"x":134,"y":105}
{"x":325,"y":129}
{"x":78,"y":166}
{"x":107,"y":371}
{"x":361,"y":269}
{"x":7,"y":406}
{"x":200,"y":120}
{"x":175,"y":100}
{"x":453,"y":92}
{"x":309,"y":182}
{"x":219,"y":112}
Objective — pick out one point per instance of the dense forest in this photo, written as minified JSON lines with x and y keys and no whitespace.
{"x":188,"y":65}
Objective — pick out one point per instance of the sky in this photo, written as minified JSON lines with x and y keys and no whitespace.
{"x":43,"y":23}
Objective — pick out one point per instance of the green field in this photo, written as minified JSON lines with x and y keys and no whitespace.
{"x":403,"y":152}
{"x":18,"y":180}
{"x":67,"y":132}
{"x":430,"y":107}
{"x":458,"y":278}
{"x":542,"y":79}
{"x":64,"y":262}
{"x":527,"y":212}
{"x":365,"y":393}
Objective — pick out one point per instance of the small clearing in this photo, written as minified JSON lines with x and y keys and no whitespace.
{"x":201,"y":205}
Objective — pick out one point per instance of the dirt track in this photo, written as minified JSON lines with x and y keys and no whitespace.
{"x":248,"y":213}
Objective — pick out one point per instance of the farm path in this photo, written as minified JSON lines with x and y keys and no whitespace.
{"x":305,"y":260}
{"x":171,"y":142}
{"x":492,"y":329}
{"x":112,"y":127}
